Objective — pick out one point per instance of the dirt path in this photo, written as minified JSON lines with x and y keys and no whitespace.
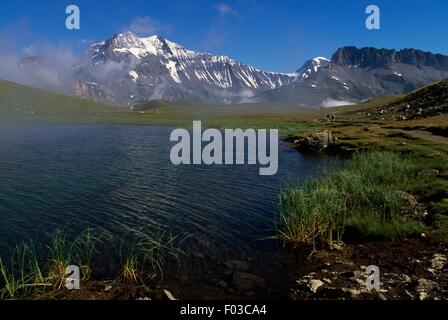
{"x":426,"y":135}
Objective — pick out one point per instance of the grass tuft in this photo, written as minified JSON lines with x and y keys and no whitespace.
{"x":148,"y":255}
{"x":365,"y":195}
{"x":24,"y":274}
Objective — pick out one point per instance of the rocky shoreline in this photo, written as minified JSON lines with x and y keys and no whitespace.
{"x":322,"y":142}
{"x":410,"y":269}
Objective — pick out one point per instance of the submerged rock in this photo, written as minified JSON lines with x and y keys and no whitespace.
{"x":237,"y":265}
{"x":222,"y":284}
{"x":244,"y":281}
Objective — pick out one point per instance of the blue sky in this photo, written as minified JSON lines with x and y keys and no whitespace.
{"x":271,"y":35}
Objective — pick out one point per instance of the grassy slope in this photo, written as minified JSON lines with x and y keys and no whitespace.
{"x":25,"y":104}
{"x":360,"y":128}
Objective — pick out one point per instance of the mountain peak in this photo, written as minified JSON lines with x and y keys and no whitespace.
{"x":320,"y":59}
{"x":373,"y":57}
{"x":128,"y":44}
{"x":312,"y":66}
{"x":125,"y":34}
{"x":130,"y":38}
{"x":125,"y":40}
{"x":160,"y":44}
{"x":152,"y":67}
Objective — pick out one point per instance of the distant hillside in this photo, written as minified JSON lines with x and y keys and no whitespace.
{"x":428,"y":101}
{"x":21,"y":102}
{"x":151,"y":104}
{"x":431,"y":100}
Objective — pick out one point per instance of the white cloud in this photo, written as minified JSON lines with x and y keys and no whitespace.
{"x":335,"y":103}
{"x":148,"y":26}
{"x":219,"y":29}
{"x":53,"y":70}
{"x":225,"y":9}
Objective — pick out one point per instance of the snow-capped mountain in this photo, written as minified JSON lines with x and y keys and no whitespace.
{"x":127,"y":69}
{"x":354,"y":75}
{"x":310,"y":67}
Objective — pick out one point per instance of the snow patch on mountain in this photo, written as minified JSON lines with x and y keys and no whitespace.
{"x":133,"y":75}
{"x":172,"y":68}
{"x":310,"y":67}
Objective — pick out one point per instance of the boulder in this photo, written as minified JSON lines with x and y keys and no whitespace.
{"x":222,"y":284}
{"x":316,"y":142}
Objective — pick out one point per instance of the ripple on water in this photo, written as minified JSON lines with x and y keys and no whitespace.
{"x":119,"y":177}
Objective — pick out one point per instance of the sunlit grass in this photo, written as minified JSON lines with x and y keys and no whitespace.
{"x":365,"y":195}
{"x":22,"y":273}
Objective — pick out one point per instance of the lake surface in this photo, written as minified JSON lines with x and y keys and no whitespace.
{"x":116,"y":178}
